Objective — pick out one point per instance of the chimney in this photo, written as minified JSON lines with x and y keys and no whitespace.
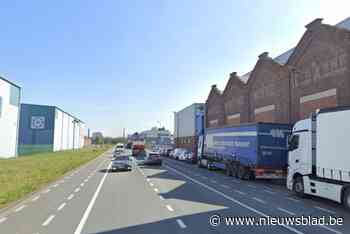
{"x":213,"y":86}
{"x":264,"y":55}
{"x":233,"y":74}
{"x":315,"y":23}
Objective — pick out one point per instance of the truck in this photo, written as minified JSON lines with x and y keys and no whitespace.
{"x":138,"y":147}
{"x":319,"y":158}
{"x":248,"y":151}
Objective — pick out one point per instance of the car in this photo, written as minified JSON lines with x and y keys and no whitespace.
{"x":122,"y":163}
{"x":119,"y":148}
{"x":177,"y":153}
{"x":152,"y":159}
{"x":184,"y":155}
{"x":190,"y":157}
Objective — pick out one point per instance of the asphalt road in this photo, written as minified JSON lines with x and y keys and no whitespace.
{"x":175,"y":198}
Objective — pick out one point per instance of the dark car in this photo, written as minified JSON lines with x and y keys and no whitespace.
{"x":152,"y":159}
{"x":122,"y":163}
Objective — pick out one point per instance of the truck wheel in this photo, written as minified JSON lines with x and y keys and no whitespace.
{"x":241,"y":172}
{"x":228,"y":171}
{"x":346,"y":198}
{"x":298,"y":186}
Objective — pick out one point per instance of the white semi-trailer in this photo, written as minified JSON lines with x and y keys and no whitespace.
{"x":319,"y":155}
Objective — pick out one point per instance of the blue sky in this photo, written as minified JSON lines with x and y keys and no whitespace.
{"x":131,"y":64}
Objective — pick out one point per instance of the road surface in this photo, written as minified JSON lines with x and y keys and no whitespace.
{"x":175,"y":198}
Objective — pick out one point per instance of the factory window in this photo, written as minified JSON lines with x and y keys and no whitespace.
{"x":14,"y":96}
{"x":0,"y":106}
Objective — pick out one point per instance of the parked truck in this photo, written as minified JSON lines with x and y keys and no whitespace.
{"x":250,"y":151}
{"x":319,"y":156}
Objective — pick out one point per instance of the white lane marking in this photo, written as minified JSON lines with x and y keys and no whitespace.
{"x":259,"y":200}
{"x":251,"y":186}
{"x":181,"y":223}
{"x":55,"y":186}
{"x":292,"y":199}
{"x":269,"y":191}
{"x":86,"y":180}
{"x":330,"y":229}
{"x":70,"y":197}
{"x":47,"y":191}
{"x":83,"y":220}
{"x":151,"y":184}
{"x":36,"y":198}
{"x":161,"y":197}
{"x":148,"y":180}
{"x":326,"y":210}
{"x":240,"y":192}
{"x":20,"y":208}
{"x":232,"y":199}
{"x":77,"y":190}
{"x":3,"y":219}
{"x":48,"y":220}
{"x":225,"y":186}
{"x":235,"y":181}
{"x":286,"y":211}
{"x":169,"y":208}
{"x":156,"y":190}
{"x":61,"y":206}
{"x":82,"y":184}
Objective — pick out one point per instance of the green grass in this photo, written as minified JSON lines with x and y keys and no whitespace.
{"x":23,"y":175}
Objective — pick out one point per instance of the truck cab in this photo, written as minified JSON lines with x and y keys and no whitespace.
{"x":299,"y":156}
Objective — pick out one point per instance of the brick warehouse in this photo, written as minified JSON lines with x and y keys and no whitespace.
{"x":315,"y":74}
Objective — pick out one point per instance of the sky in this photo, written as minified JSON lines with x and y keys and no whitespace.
{"x":131,"y":63}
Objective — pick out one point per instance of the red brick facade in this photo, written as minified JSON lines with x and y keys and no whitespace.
{"x":235,"y":101}
{"x":316,"y":75}
{"x":269,"y":91}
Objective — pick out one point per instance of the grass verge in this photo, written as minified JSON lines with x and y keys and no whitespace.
{"x":23,"y":175}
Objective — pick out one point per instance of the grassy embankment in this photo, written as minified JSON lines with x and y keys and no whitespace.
{"x":23,"y":175}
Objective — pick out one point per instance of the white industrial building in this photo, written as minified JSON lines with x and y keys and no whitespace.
{"x":10,"y":95}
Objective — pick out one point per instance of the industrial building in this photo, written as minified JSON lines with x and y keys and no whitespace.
{"x":10,"y":95}
{"x":188,"y":125}
{"x":313,"y":75}
{"x":48,"y":128}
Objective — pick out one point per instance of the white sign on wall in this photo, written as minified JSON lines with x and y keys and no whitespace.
{"x":38,"y":122}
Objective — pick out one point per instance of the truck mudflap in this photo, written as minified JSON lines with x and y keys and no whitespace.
{"x":261,"y":173}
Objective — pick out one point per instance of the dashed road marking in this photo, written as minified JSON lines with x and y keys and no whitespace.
{"x":70,"y":196}
{"x":181,"y":223}
{"x":161,"y":197}
{"x":61,"y":206}
{"x":225,"y":186}
{"x":77,"y":190}
{"x":330,"y":229}
{"x":83,"y":220}
{"x":82,"y":184}
{"x":3,"y":219}
{"x":55,"y":186}
{"x":86,"y":180}
{"x":151,"y":184}
{"x":251,"y":186}
{"x":156,"y":190}
{"x":292,"y":199}
{"x":148,"y":180}
{"x":35,"y":198}
{"x":292,"y":229}
{"x":20,"y":208}
{"x":240,"y":192}
{"x":326,"y":210}
{"x":269,"y":191}
{"x":286,"y":211}
{"x":259,"y":200}
{"x":169,"y":208}
{"x":48,"y":220}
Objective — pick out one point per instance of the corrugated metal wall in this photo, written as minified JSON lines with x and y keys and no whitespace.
{"x":47,"y":128}
{"x":36,"y":129}
{"x":9,"y":114}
